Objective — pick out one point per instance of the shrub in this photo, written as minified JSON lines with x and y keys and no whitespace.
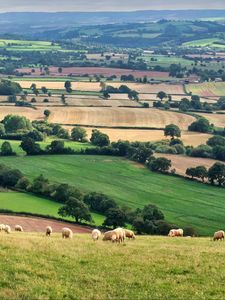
{"x":79,"y":134}
{"x":99,"y":139}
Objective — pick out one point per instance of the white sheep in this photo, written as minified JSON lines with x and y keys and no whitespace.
{"x":2,"y":227}
{"x":48,"y":230}
{"x":96,"y":234}
{"x":67,"y":233}
{"x":7,"y":229}
{"x":18,"y":228}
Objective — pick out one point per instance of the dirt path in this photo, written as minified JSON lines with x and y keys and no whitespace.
{"x":36,"y":224}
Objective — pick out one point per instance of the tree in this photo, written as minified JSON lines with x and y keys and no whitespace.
{"x":63,"y":192}
{"x":99,"y":202}
{"x":140,"y":154}
{"x":60,"y":70}
{"x":30,"y":147}
{"x":44,"y":90}
{"x":47,"y":113}
{"x":172,"y":130}
{"x":14,"y":123}
{"x":217,"y":173}
{"x":10,"y":177}
{"x":161,"y":95}
{"x":151,"y":212}
{"x":201,"y":172}
{"x":12,"y":99}
{"x":160,"y":164}
{"x":76,"y":209}
{"x":8,"y":87}
{"x":99,"y":139}
{"x":56,"y":147}
{"x":216,"y":140}
{"x":63,"y":98}
{"x":115,"y":217}
{"x":23,"y":183}
{"x":190,"y":172}
{"x":40,"y":185}
{"x":106,"y":95}
{"x":78,"y":134}
{"x":201,"y":125}
{"x":36,"y":135}
{"x":68,"y":86}
{"x":219,"y":152}
{"x":6,"y":149}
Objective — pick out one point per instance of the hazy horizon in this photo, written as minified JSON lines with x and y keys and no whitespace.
{"x":104,"y":5}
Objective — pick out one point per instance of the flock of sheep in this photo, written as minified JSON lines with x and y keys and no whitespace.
{"x":117,"y":235}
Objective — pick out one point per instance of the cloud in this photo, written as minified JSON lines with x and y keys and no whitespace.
{"x":106,"y":5}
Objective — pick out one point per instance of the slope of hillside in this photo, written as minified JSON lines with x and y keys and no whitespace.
{"x":134,"y":186}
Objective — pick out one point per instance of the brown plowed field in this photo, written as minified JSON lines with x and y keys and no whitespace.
{"x":98,"y":71}
{"x":32,"y":114}
{"x":114,"y":117}
{"x":36,"y":224}
{"x":181,"y":163}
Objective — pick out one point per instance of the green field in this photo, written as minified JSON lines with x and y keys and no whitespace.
{"x":73,"y":145}
{"x":36,"y":267}
{"x":212,"y":42}
{"x":21,"y":202}
{"x":207,"y":89}
{"x":165,"y":60}
{"x":22,"y":45}
{"x":183,"y":202}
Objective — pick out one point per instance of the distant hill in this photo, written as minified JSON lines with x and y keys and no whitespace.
{"x":36,"y":22}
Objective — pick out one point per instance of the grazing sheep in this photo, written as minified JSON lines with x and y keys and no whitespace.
{"x":18,"y":228}
{"x":176,"y":233}
{"x":48,"y":230}
{"x":129,"y":234}
{"x":7,"y":229}
{"x":120,"y":232}
{"x":2,"y":227}
{"x":110,"y":236}
{"x":67,"y":233}
{"x":219,"y":235}
{"x":96,"y":234}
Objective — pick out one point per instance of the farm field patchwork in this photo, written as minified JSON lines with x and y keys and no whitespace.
{"x":181,"y":163}
{"x":23,"y":45}
{"x":216,"y":119}
{"x":132,"y":185}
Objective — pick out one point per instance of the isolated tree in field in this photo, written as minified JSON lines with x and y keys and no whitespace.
{"x":172,"y":130}
{"x":33,"y":100}
{"x":60,"y":70}
{"x":76,"y":209}
{"x":106,"y":95}
{"x":133,"y":95}
{"x":160,"y":164}
{"x":44,"y":90}
{"x":49,"y":94}
{"x":115,"y":217}
{"x":68,"y":86}
{"x":161,"y":95}
{"x":6,"y":149}
{"x":78,"y":134}
{"x":217,"y":173}
{"x":99,"y":139}
{"x":201,"y":125}
{"x":33,"y":86}
{"x":47,"y":113}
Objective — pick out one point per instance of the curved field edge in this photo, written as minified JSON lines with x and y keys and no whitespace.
{"x":183,"y":202}
{"x":27,"y":203}
{"x":157,"y":268}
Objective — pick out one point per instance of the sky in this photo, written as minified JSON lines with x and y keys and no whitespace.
{"x":106,"y":5}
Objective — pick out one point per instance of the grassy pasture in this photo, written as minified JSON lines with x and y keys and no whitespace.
{"x":132,"y":185}
{"x":21,"y":202}
{"x":211,"y":42}
{"x":36,"y":267}
{"x":207,"y":89}
{"x":23,"y":45}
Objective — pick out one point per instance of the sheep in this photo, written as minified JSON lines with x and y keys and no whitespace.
{"x":219,"y":235}
{"x":176,"y":232}
{"x":2,"y":227}
{"x":96,"y":234}
{"x":67,"y":233}
{"x":18,"y":228}
{"x":7,"y":229}
{"x":120,"y":232}
{"x":110,"y":236}
{"x":129,"y":234}
{"x":48,"y":230}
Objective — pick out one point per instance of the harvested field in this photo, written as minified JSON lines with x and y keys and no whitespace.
{"x":89,"y":101}
{"x":181,"y":163}
{"x":207,"y":89}
{"x":97,"y":71}
{"x":36,"y":224}
{"x":114,"y":117}
{"x":30,"y":113}
{"x":95,"y":86}
{"x":216,"y":119}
